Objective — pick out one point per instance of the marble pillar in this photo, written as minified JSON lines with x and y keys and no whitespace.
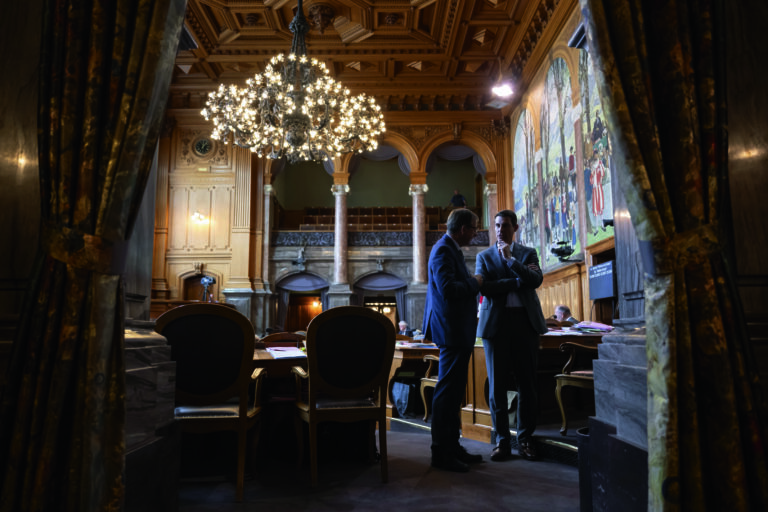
{"x":621,"y":374}
{"x":493,"y":207}
{"x":339,"y":292}
{"x":419,"y":233}
{"x":340,"y":234}
{"x":416,"y":298}
{"x":152,"y":447}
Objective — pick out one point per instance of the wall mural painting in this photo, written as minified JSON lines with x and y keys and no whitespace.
{"x":597,"y":153}
{"x":558,"y":167}
{"x":526,"y":182}
{"x":562,"y":159}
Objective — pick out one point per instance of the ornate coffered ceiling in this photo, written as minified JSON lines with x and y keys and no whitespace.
{"x":412,"y":55}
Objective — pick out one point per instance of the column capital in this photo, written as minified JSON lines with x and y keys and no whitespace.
{"x":490,"y":188}
{"x":417,"y":189}
{"x":340,"y":190}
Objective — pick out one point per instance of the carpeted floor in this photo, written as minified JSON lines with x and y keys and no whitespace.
{"x":349,"y":483}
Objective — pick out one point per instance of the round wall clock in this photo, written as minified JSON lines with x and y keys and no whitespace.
{"x":202,"y":146}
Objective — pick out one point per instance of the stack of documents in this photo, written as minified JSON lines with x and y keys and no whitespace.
{"x":286,"y":352}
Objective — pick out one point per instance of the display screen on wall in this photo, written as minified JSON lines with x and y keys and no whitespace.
{"x":602,"y":281}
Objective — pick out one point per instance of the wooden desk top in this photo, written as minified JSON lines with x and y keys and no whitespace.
{"x":403,"y":352}
{"x":548,"y":341}
{"x":281,"y":367}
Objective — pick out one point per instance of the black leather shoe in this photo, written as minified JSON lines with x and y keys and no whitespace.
{"x":468,"y":458}
{"x":449,"y":463}
{"x":527,"y":451}
{"x":501,"y":452}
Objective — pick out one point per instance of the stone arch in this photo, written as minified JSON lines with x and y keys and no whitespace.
{"x":183,"y":276}
{"x":404,"y":146}
{"x":467,"y":138}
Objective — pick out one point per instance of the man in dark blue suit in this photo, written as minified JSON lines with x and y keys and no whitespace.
{"x":510,"y":324}
{"x":449,"y":321}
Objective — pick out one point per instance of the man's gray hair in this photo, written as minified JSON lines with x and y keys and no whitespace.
{"x":460,"y":217}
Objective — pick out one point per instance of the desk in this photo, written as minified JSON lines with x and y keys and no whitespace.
{"x":408,"y":362}
{"x":276,"y":368}
{"x":550,"y":342}
{"x":475,"y":414}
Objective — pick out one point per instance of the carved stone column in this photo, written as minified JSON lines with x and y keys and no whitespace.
{"x":160,"y":289}
{"x":238,"y":289}
{"x":262,"y":310}
{"x":419,"y":233}
{"x":340,"y":233}
{"x":493,"y":207}
{"x":339,"y":291}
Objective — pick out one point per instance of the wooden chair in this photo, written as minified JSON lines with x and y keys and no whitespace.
{"x":429,"y":380}
{"x":349,"y":355}
{"x":569,"y":377}
{"x":282,"y":339}
{"x":213,"y":349}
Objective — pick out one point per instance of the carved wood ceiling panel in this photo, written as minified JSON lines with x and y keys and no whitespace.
{"x":409,"y":54}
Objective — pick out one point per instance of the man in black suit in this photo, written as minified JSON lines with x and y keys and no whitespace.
{"x":449,"y":321}
{"x":510,"y":324}
{"x":403,"y":325}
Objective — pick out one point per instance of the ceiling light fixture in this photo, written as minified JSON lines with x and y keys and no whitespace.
{"x":502,"y":90}
{"x":295,"y":109}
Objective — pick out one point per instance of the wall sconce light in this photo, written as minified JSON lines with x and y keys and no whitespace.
{"x":315,"y":304}
{"x":386,"y":310}
{"x":199,"y":218}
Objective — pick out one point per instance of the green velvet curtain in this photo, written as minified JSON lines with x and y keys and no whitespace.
{"x":662,"y":66}
{"x":105,"y":71}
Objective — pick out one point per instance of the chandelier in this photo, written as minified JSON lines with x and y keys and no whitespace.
{"x":295,"y":109}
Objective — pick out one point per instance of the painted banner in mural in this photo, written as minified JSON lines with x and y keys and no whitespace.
{"x":597,"y":156}
{"x":526,"y":182}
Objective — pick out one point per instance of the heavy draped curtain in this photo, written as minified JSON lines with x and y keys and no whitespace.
{"x":105,"y":71}
{"x":663,"y":79}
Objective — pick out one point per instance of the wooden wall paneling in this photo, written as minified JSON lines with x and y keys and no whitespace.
{"x":221,"y":217}
{"x":563,"y":286}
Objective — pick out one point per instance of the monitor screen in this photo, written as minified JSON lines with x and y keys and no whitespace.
{"x":602,"y":282}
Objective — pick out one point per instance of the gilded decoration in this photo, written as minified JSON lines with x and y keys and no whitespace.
{"x":197,"y":147}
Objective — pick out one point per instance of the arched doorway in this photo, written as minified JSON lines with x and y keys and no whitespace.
{"x":300,"y":297}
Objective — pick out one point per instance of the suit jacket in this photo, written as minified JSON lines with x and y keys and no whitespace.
{"x":451,"y":305}
{"x":499,"y":278}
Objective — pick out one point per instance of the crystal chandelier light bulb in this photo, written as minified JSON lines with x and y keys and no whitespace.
{"x":315,"y":120}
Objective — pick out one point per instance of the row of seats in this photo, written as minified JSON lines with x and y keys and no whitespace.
{"x":359,"y":219}
{"x":358,"y":227}
{"x":370,"y":210}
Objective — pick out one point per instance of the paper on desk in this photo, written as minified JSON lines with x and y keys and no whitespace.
{"x":286,"y":352}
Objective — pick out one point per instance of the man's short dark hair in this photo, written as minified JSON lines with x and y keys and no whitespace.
{"x":460,"y":217}
{"x":508,"y":214}
{"x":565,"y":310}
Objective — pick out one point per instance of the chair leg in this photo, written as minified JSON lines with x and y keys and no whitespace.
{"x":371,"y":441}
{"x":424,"y":400}
{"x":383,"y":449}
{"x":299,"y":431}
{"x":313,"y":452}
{"x":558,"y":391}
{"x":242,"y":436}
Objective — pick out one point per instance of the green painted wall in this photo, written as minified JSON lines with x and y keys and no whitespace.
{"x":379,"y":184}
{"x":448,"y":175}
{"x":306,"y":184}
